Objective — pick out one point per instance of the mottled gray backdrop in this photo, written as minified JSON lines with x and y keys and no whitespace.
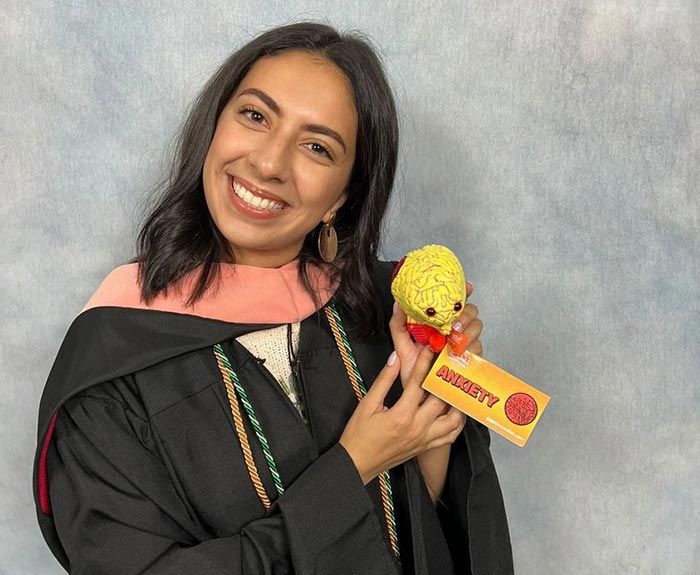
{"x":554,"y":145}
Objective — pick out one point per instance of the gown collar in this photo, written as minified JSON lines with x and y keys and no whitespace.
{"x":243,"y":294}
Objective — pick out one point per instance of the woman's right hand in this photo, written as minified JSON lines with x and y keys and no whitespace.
{"x":378,"y":438}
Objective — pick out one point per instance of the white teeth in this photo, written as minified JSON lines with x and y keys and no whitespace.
{"x":254,"y":201}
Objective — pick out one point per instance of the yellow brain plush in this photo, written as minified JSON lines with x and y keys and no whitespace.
{"x":429,"y":286}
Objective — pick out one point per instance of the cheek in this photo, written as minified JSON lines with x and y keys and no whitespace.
{"x":210,"y":201}
{"x":207,"y":178}
{"x":224,"y":144}
{"x":211,"y":182}
{"x":216,"y":151}
{"x":321,"y":189}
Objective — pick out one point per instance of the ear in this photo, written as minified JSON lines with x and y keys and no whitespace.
{"x":336,"y":206}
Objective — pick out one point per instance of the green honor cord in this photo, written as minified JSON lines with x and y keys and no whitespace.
{"x":360,"y":391}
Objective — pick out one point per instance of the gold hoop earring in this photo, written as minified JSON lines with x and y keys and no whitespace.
{"x":328,"y":241}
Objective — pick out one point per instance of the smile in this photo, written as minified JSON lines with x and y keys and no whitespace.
{"x":253,"y":200}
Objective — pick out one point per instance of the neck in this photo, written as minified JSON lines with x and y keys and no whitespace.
{"x":265,"y":259}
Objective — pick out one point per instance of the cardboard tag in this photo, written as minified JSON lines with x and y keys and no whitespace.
{"x":485,"y":392}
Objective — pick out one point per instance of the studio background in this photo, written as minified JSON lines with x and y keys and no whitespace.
{"x":553,"y":145}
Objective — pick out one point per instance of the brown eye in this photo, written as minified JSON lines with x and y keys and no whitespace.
{"x":458,"y":306}
{"x":430,"y":311}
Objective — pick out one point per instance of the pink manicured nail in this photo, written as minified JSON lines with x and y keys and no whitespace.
{"x":457,"y":326}
{"x":392,"y":358}
{"x":396,"y":306}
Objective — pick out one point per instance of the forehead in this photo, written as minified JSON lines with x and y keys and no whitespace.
{"x":305,"y":86}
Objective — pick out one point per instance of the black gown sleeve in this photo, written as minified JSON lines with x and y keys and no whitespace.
{"x":117,"y":511}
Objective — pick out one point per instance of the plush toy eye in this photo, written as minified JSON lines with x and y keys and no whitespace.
{"x":458,"y":306}
{"x":430,"y":311}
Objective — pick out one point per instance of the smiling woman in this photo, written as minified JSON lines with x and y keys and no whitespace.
{"x":301,"y":116}
{"x":284,"y":141}
{"x":264,"y":425}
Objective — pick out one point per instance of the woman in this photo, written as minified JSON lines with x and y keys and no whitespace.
{"x":174,"y":434}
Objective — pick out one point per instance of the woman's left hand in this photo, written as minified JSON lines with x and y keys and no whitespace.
{"x":433,"y":463}
{"x":471,"y":325}
{"x":407,"y":349}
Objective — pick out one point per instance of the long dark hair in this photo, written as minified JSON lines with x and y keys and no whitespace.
{"x":179,"y":234}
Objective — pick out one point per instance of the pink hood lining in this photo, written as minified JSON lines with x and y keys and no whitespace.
{"x":244,"y":294}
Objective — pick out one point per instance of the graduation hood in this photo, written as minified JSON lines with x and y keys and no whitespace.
{"x":115,"y":333}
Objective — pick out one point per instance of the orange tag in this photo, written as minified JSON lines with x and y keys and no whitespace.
{"x":485,"y":392}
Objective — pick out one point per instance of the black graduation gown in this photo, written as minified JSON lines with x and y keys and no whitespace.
{"x":137,"y":452}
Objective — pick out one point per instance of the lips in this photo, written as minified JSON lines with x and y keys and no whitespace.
{"x":253,"y":189}
{"x":250,"y":211}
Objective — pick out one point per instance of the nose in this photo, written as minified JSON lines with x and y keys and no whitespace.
{"x":271,"y":157}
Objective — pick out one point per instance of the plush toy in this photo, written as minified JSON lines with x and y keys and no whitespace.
{"x":428,"y":284}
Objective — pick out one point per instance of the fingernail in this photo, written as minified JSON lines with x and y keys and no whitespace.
{"x":392,"y":358}
{"x":457,"y":326}
{"x":470,"y":284}
{"x":396,"y":306}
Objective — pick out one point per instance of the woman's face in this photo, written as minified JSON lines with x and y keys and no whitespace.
{"x":287,"y":134}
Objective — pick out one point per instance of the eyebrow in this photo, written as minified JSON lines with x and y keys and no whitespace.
{"x":314,"y":128}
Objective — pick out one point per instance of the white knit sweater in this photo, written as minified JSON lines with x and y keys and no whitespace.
{"x":271,"y":345}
